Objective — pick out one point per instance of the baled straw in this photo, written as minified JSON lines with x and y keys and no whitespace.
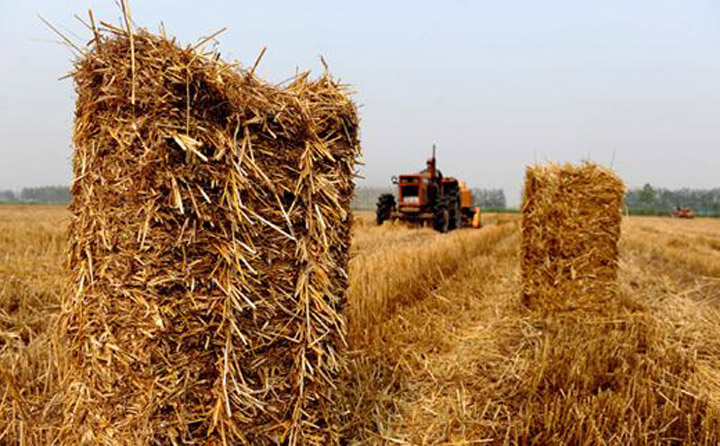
{"x":208,"y":249}
{"x":571,"y":229}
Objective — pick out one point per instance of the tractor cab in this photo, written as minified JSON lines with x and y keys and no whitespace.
{"x":418,"y":190}
{"x":414,"y":190}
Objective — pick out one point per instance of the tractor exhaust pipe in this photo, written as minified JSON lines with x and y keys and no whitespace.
{"x":431,"y":163}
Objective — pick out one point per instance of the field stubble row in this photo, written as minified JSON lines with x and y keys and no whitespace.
{"x":442,"y":351}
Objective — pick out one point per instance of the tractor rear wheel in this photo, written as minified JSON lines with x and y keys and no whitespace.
{"x":385,"y":206}
{"x":455,"y":212}
{"x":441,"y":217}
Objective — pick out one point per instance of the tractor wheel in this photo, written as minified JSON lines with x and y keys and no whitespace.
{"x":455,"y":212}
{"x":441,"y":218}
{"x":385,"y":206}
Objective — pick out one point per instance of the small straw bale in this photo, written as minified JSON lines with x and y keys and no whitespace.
{"x":570,"y":234}
{"x":208,"y":249}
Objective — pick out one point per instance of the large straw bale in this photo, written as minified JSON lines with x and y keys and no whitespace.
{"x":571,"y":229}
{"x":208,"y":249}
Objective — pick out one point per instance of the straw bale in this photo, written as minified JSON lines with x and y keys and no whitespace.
{"x":570,"y":234}
{"x":208,"y":249}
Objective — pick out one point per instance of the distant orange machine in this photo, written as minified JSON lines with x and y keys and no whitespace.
{"x":683,"y":212}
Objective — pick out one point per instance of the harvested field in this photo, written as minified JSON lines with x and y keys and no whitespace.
{"x":443,"y":351}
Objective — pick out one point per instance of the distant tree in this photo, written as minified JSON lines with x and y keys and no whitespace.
{"x":46,"y":195}
{"x":366,"y":197}
{"x":7,"y":196}
{"x":647,"y":195}
{"x":489,"y":198}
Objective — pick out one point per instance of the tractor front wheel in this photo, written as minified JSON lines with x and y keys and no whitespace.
{"x":441,"y":218}
{"x":455,"y":212}
{"x":385,"y":206}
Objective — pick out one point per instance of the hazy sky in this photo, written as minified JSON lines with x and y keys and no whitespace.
{"x":496,"y":84}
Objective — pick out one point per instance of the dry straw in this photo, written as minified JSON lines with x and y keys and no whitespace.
{"x":571,"y":229}
{"x":208,"y":249}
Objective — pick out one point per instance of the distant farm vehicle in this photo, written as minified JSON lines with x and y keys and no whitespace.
{"x":683,"y":212}
{"x":428,"y":198}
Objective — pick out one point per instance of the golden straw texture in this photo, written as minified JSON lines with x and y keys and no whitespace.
{"x":208,"y":249}
{"x":571,"y":229}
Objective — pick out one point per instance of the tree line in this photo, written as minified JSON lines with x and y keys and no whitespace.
{"x":489,"y":199}
{"x":649,"y":200}
{"x":646,"y":200}
{"x":37,"y":195}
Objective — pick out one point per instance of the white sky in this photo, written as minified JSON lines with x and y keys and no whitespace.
{"x":496,"y":84}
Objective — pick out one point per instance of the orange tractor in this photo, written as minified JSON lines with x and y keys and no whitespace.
{"x":429,"y":198}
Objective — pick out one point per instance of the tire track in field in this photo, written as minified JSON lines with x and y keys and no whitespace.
{"x":437,"y":406}
{"x":393,"y":277}
{"x":392,"y":367}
